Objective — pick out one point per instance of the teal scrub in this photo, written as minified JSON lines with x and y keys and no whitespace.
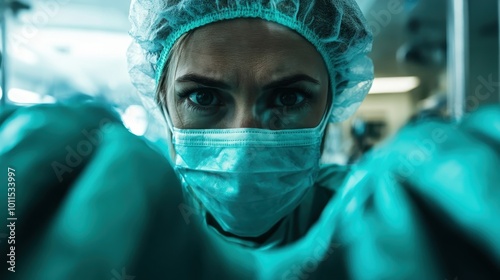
{"x":96,"y":202}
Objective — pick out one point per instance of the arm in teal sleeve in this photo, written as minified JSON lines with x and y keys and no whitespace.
{"x":426,"y":204}
{"x":96,"y":202}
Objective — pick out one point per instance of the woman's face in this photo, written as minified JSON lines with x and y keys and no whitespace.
{"x":247,"y":73}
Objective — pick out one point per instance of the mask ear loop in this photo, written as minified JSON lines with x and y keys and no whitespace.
{"x":166,"y":117}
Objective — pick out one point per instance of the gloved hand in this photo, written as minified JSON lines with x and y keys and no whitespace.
{"x":426,"y":204}
{"x":93,"y":201}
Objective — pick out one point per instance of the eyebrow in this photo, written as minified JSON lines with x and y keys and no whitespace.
{"x":210,"y":82}
{"x":286,"y":81}
{"x":206,"y":81}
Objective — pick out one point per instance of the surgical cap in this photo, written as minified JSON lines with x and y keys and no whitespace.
{"x":337,"y":29}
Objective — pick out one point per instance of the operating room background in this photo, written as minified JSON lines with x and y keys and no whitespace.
{"x":69,"y":50}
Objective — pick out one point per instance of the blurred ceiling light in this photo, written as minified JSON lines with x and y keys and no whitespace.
{"x":135,"y":119}
{"x":25,"y":55}
{"x":86,"y":43}
{"x":48,"y":99}
{"x":78,"y":14}
{"x":22,"y":96}
{"x":394,"y":85}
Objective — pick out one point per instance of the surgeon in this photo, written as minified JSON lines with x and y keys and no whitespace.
{"x":246,"y":89}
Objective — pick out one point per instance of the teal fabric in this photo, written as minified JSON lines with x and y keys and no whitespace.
{"x":93,"y":201}
{"x":424,"y":205}
{"x":337,"y":29}
{"x":295,"y":225}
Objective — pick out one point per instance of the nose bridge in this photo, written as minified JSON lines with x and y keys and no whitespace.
{"x":247,"y":94}
{"x":245,"y":116}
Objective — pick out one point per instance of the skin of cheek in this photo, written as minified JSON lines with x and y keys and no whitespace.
{"x":175,"y":108}
{"x":175,"y":122}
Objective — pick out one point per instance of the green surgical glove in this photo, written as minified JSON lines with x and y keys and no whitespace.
{"x":426,"y":204}
{"x":93,"y":201}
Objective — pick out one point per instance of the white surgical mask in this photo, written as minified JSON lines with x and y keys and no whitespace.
{"x":248,"y":178}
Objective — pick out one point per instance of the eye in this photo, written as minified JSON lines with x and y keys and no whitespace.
{"x":289,"y":99}
{"x":204,"y":98}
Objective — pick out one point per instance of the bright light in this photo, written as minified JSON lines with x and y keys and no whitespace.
{"x":87,"y":43}
{"x":135,"y":119}
{"x":25,"y":55}
{"x":394,"y":84}
{"x":23,"y":96}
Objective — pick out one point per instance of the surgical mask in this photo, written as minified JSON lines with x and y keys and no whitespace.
{"x":247,"y":178}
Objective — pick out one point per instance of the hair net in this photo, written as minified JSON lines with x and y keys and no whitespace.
{"x":337,"y":29}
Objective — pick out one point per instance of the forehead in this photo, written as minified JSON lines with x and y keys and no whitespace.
{"x":248,"y":47}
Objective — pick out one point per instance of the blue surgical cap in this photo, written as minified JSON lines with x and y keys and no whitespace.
{"x":337,"y":29}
